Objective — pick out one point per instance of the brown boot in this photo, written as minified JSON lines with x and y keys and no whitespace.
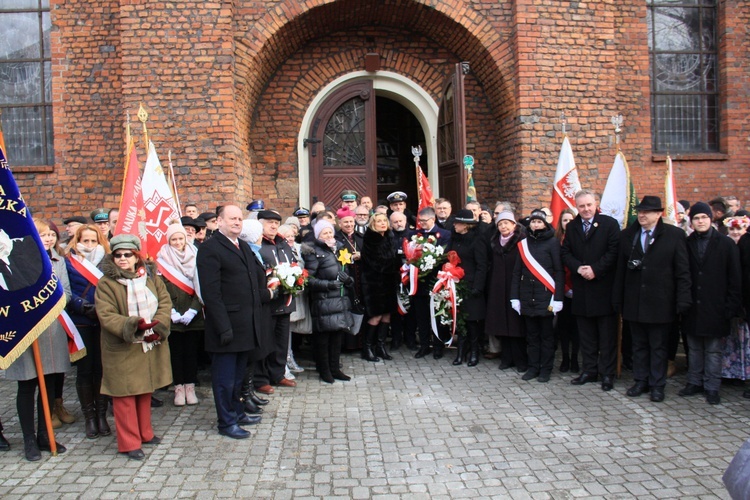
{"x":62,"y":413}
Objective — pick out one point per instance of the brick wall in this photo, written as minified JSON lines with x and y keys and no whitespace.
{"x":227,"y":83}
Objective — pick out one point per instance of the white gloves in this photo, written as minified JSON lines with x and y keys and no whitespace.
{"x":516,"y":305}
{"x":188,"y":316}
{"x":176,"y":317}
{"x":557,"y":306}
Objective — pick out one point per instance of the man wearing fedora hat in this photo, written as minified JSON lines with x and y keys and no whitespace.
{"x":652,"y":288}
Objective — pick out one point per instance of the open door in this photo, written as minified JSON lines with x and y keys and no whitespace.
{"x":342,"y":145}
{"x":452,"y":138}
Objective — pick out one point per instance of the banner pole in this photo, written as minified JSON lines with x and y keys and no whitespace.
{"x":43,"y":394}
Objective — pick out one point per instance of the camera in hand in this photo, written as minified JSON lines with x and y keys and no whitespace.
{"x":635,"y":264}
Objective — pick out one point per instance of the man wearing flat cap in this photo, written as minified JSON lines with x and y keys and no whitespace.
{"x":211,"y":225}
{"x":652,"y":288}
{"x":274,"y":250}
{"x":73,"y":223}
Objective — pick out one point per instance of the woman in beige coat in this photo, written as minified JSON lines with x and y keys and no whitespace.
{"x":133,"y":306}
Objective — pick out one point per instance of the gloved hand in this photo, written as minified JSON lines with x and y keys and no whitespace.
{"x":334,"y":285}
{"x":557,"y":306}
{"x":145,"y":325}
{"x":176,"y":317}
{"x":89,"y":310}
{"x":188,"y":316}
{"x":151,"y":337}
{"x":516,"y":305}
{"x":78,"y":305}
{"x":345,"y":278}
{"x":226,"y":338}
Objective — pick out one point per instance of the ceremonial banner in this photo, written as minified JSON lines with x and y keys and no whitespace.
{"x":31,"y":297}
{"x":670,"y":209}
{"x":566,"y":182}
{"x":619,"y":199}
{"x":132,"y":218}
{"x":158,"y":203}
{"x":76,"y":347}
{"x":424,"y":191}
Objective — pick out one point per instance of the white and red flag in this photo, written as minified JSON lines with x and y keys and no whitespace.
{"x":566,"y":182}
{"x":159,"y":205}
{"x":424,"y":191}
{"x":670,"y":209}
{"x":132,"y":218}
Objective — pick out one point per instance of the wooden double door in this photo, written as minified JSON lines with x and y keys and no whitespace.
{"x":349,"y":147}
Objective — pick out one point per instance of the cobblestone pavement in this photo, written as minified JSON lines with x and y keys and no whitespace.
{"x":407,"y":429}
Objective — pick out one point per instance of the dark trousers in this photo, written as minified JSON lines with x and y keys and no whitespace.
{"x":598,"y":338}
{"x":89,"y":367}
{"x":650,"y":352}
{"x":513,"y":352}
{"x":421,"y":306}
{"x":704,"y":367}
{"x":404,"y":328}
{"x":540,"y":342}
{"x":25,"y":403}
{"x":566,"y":331}
{"x":271,"y":369}
{"x":227,"y":372}
{"x":183,"y":352}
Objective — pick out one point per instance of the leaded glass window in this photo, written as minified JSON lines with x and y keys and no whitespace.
{"x":344,"y":139}
{"x":25,"y":81}
{"x":684,"y":75}
{"x":447,"y":128}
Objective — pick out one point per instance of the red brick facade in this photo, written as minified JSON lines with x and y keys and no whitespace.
{"x":227,"y":84}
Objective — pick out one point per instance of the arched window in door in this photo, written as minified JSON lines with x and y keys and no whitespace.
{"x":344,"y":138}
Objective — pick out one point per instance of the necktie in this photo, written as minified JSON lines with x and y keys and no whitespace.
{"x":237,"y":244}
{"x":647,"y":240}
{"x":586,"y":226}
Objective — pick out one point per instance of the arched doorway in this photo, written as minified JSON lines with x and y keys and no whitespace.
{"x":365,"y":113}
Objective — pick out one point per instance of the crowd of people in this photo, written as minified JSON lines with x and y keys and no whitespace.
{"x":243,"y":291}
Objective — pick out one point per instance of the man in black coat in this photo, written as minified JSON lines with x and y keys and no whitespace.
{"x":403,"y":327}
{"x":421,"y":301}
{"x":717,"y":298}
{"x":651,"y":288}
{"x":443,"y":209}
{"x":275,"y":250}
{"x":232,"y":285}
{"x":589,"y":251}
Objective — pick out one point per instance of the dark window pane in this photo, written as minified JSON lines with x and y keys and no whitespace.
{"x":344,"y":140}
{"x":677,"y":29}
{"x":709,"y":72}
{"x":25,"y":131}
{"x":708,"y":30}
{"x":678,"y":72}
{"x":20,"y":82}
{"x":46,"y":30}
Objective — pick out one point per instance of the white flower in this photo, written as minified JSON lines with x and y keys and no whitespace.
{"x":290,"y":280}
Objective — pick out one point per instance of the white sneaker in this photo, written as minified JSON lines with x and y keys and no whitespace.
{"x":291,"y":363}
{"x":287,"y":374}
{"x":179,"y":395}
{"x":190,"y":397}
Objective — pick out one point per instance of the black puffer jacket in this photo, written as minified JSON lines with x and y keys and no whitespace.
{"x":275,"y":252}
{"x":380,"y":273}
{"x":331,"y":311}
{"x":534,"y":296}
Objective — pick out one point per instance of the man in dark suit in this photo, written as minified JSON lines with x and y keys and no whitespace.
{"x":421,"y":301}
{"x":652,"y":288}
{"x":233,"y":287}
{"x":403,"y":328}
{"x":443,"y":209}
{"x":589,"y":252}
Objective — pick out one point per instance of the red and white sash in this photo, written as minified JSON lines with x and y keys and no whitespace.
{"x":410,"y":276}
{"x":535,"y":267}
{"x":175,"y":277}
{"x":76,"y":347}
{"x":86,"y":269}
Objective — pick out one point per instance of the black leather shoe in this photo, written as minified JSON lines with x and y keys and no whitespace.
{"x":31,"y":449}
{"x":235,"y":432}
{"x":637,"y":389}
{"x":565,"y":366}
{"x":657,"y":394}
{"x":422,"y":352}
{"x":530,"y":374}
{"x":574,"y":368}
{"x":4,"y":444}
{"x":135,"y":454}
{"x":543,"y":377}
{"x":339,"y":375}
{"x":437,"y":353}
{"x":712,"y":397}
{"x":156,"y":403}
{"x":153,"y":441}
{"x":505,"y":366}
{"x":690,"y":390}
{"x":583,"y":378}
{"x":251,"y":408}
{"x":607,"y":383}
{"x":257,"y":399}
{"x":43,"y":442}
{"x":249,"y":419}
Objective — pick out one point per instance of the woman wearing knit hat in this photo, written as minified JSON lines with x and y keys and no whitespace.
{"x":329,"y":299}
{"x":176,"y":260}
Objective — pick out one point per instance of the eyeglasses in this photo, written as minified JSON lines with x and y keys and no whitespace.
{"x":123,"y":255}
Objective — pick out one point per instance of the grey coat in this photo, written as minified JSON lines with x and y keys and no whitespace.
{"x":53,"y":342}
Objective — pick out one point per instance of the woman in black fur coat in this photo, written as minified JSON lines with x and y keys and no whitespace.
{"x":380,"y":275}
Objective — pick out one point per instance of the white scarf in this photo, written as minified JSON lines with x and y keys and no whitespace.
{"x":183,"y":261}
{"x":93,"y":255}
{"x":142,"y":303}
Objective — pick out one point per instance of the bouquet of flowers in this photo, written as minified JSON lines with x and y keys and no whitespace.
{"x":292,"y":277}
{"x":424,"y":253}
{"x":446,"y":295}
